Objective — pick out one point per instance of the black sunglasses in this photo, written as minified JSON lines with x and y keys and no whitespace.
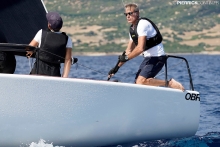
{"x":129,"y":13}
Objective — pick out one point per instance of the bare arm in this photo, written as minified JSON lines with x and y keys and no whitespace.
{"x":133,"y":51}
{"x":32,"y":43}
{"x":130,"y":47}
{"x":139,"y":48}
{"x":128,"y":50}
{"x":67,"y":63}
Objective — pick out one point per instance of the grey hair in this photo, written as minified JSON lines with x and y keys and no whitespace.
{"x":135,"y":6}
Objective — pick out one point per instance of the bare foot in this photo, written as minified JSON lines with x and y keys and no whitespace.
{"x":174,"y":84}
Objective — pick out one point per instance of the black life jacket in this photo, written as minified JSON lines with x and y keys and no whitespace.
{"x":53,"y":47}
{"x":151,"y":42}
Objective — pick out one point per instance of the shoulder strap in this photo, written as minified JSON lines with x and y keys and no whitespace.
{"x":66,"y":37}
{"x":153,"y":41}
{"x":43,"y":37}
{"x":153,"y":24}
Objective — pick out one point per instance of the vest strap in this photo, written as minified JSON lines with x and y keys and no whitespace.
{"x":151,"y":42}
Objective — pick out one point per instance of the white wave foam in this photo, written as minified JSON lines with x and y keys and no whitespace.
{"x":42,"y":143}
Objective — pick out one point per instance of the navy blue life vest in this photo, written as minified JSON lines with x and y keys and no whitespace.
{"x":153,"y":41}
{"x":53,"y":47}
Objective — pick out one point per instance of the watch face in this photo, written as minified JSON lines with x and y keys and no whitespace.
{"x":126,"y":57}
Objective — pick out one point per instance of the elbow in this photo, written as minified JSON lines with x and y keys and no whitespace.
{"x":140,"y":49}
{"x":68,"y":61}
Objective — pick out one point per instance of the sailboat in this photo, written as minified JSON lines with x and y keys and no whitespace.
{"x":84,"y":112}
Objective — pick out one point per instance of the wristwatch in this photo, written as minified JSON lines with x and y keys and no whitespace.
{"x":126,"y":57}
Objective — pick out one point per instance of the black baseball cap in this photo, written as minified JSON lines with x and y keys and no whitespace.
{"x":55,"y":20}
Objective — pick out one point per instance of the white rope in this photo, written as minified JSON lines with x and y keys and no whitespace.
{"x":30,"y":63}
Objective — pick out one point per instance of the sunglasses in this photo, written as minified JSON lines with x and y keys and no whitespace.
{"x":129,"y":13}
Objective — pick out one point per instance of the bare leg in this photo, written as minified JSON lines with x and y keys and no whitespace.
{"x":150,"y":81}
{"x":174,"y":84}
{"x":156,"y":82}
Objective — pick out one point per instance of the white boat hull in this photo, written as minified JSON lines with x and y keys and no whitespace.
{"x":81,"y":112}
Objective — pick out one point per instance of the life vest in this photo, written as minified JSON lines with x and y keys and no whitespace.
{"x":53,"y":47}
{"x":151,"y":42}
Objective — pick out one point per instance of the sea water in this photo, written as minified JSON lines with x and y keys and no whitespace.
{"x":205,"y":71}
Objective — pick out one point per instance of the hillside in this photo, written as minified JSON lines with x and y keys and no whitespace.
{"x":100,"y":26}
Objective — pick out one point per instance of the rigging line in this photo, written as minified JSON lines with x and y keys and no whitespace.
{"x":91,"y":69}
{"x":52,"y":54}
{"x":76,"y":63}
{"x":30,"y":63}
{"x":169,"y":68}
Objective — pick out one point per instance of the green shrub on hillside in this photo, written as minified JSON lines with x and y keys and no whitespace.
{"x":109,"y":14}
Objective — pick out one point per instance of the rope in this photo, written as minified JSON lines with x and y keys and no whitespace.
{"x":91,"y":69}
{"x":30,"y":63}
{"x":76,"y":63}
{"x":52,"y":54}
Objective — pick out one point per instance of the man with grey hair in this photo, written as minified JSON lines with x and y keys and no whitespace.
{"x":145,"y":38}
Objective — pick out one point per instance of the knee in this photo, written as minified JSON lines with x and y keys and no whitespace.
{"x":141,"y":80}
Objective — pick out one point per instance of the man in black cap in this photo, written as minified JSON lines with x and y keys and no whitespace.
{"x":7,"y":59}
{"x":55,"y":48}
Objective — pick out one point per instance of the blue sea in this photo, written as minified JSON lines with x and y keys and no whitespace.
{"x":205,"y":71}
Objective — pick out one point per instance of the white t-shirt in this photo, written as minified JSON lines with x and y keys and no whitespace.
{"x":145,"y":28}
{"x":39,"y":35}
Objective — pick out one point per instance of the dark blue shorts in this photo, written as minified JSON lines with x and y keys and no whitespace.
{"x":151,"y":66}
